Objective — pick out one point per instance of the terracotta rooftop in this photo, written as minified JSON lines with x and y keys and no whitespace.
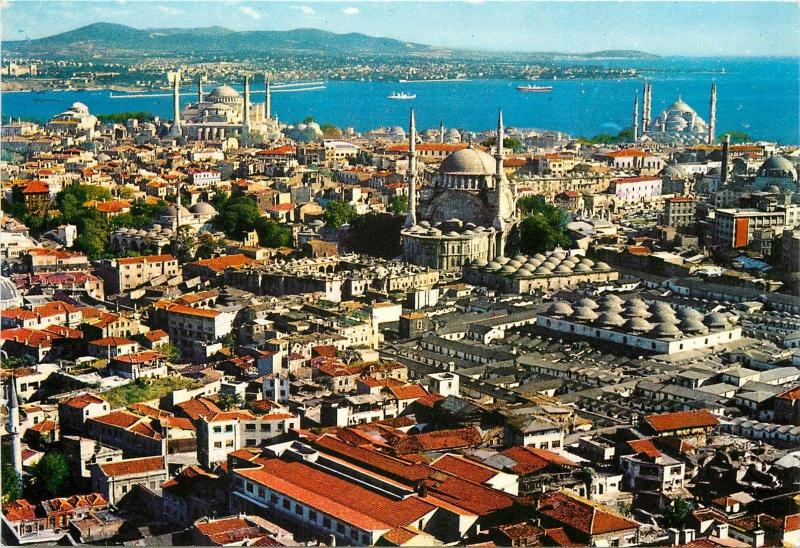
{"x":682,"y":420}
{"x":132,"y":467}
{"x":530,"y":460}
{"x":581,"y":514}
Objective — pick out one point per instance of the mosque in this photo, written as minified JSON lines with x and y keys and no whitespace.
{"x":678,"y":124}
{"x":466,"y":214}
{"x":75,"y":121}
{"x":222,"y":113}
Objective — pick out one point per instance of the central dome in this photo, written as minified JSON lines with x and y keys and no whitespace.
{"x":223,"y":94}
{"x":468,"y":161}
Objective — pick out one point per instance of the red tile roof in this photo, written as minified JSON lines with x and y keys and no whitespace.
{"x":463,"y":468}
{"x":36,"y":187}
{"x":581,"y":514}
{"x":408,"y":392}
{"x":79,"y":402}
{"x":682,"y":420}
{"x":130,"y":467}
{"x":19,"y":510}
{"x":530,"y":460}
{"x":344,"y":500}
{"x":198,"y":407}
{"x":219,"y":264}
{"x":628,"y":152}
{"x":644,"y":446}
{"x":112,"y":341}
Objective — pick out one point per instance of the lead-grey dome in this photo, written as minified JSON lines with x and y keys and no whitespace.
{"x":777,"y":166}
{"x":223,"y":94}
{"x":468,"y":161}
{"x":203,"y":208}
{"x":9,"y":295}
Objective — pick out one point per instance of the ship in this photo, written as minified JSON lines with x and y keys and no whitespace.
{"x":402,"y":96}
{"x":535,"y":89}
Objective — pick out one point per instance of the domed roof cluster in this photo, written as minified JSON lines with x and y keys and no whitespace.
{"x":452,"y":228}
{"x":468,"y":161}
{"x":657,"y":319}
{"x":679,"y":123}
{"x":555,"y":263}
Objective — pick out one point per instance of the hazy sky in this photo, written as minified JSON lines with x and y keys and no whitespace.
{"x":678,"y":28}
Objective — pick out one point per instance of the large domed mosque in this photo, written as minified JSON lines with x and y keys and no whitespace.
{"x":224,"y":112}
{"x":679,"y":123}
{"x":466,"y":214}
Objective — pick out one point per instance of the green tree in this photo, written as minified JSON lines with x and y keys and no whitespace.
{"x":399,"y":204}
{"x":737,"y":137}
{"x":185,"y":244}
{"x":207,"y":246}
{"x":330,"y":131}
{"x":16,"y":207}
{"x":678,"y":514}
{"x":272,"y":234}
{"x":308,"y":119}
{"x":510,"y":143}
{"x":122,"y":117}
{"x":229,"y":340}
{"x":228,"y":402}
{"x":93,"y":238}
{"x":170,"y":352}
{"x":537,"y":235}
{"x":362,"y":158}
{"x":376,"y":234}
{"x":51,"y":473}
{"x":338,"y":213}
{"x":237,"y":217}
{"x":10,"y":478}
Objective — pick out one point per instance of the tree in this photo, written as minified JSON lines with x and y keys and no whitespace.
{"x":338,"y":213}
{"x":227,"y":402}
{"x":51,"y":473}
{"x":272,"y":234}
{"x":376,"y":234}
{"x":330,"y":131}
{"x":737,"y":137}
{"x":677,"y":514}
{"x":237,"y":216}
{"x":16,"y":207}
{"x":170,"y":352}
{"x":537,"y":235}
{"x":10,"y":478}
{"x":126,"y":193}
{"x":362,"y":158}
{"x":207,"y":246}
{"x":185,"y":244}
{"x":229,"y":340}
{"x":308,"y":119}
{"x":510,"y":143}
{"x":398,"y":205}
{"x":93,"y":238}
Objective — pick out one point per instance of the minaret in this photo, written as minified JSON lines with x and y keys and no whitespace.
{"x":200,"y":89}
{"x":712,"y":115}
{"x":441,"y":131}
{"x":13,"y":429}
{"x":246,"y":121}
{"x":175,"y":79}
{"x":268,"y":103}
{"x":723,"y":168}
{"x":411,"y":218}
{"x":500,"y":185}
{"x":636,"y":117}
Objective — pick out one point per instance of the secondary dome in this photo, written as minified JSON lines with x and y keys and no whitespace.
{"x":203,"y":208}
{"x":777,"y":166}
{"x":468,"y":161}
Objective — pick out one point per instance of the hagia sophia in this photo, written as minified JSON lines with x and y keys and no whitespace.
{"x":222,"y":113}
{"x":466,"y":214}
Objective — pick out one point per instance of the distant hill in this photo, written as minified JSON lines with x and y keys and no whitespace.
{"x":108,"y":37}
{"x":113,"y":39}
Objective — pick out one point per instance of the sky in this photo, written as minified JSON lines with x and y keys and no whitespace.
{"x":664,"y":28}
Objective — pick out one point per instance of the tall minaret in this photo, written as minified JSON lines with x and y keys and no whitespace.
{"x":174,"y":78}
{"x":636,"y":117}
{"x":200,"y":89}
{"x":441,"y":131}
{"x":411,"y":218}
{"x":268,"y":103}
{"x":246,"y":121}
{"x":13,"y":429}
{"x":500,"y":184}
{"x":649,"y":114}
{"x":712,"y":115}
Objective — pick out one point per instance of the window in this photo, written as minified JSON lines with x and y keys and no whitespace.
{"x":298,"y":510}
{"x":273,"y":498}
{"x":250,"y":442}
{"x":217,"y":445}
{"x":555,"y":444}
{"x":229,"y":428}
{"x":312,"y":515}
{"x":229,"y":443}
{"x":365,"y":539}
{"x":265,"y":428}
{"x":217,"y":429}
{"x":124,"y":488}
{"x":353,"y":534}
{"x":326,"y":522}
{"x":287,"y":503}
{"x":249,"y":487}
{"x":261,"y":492}
{"x":250,"y":427}
{"x":340,"y":528}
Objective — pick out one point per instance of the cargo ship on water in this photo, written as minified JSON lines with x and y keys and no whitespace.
{"x":535,"y":89}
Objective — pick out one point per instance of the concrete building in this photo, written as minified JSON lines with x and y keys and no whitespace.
{"x":124,"y":274}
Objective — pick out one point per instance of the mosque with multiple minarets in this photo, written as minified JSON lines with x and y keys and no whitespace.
{"x":467,"y":212}
{"x":677,"y":124}
{"x":223,"y":112}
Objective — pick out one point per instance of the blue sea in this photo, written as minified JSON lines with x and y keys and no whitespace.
{"x":759,"y":96}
